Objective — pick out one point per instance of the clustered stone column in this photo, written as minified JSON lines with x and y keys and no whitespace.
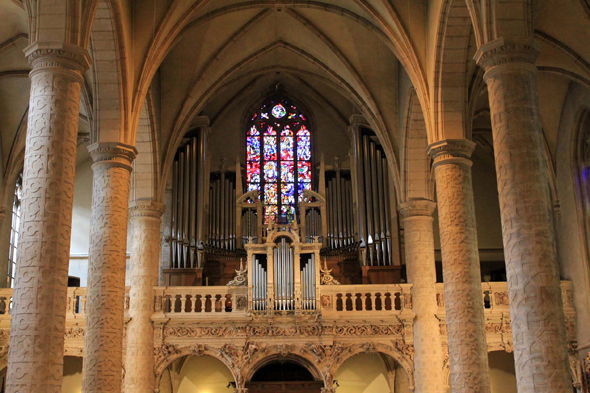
{"x":536,"y":310}
{"x":35,"y":359}
{"x":105,"y":299}
{"x":419,"y":245}
{"x":461,"y":269}
{"x":145,"y":256}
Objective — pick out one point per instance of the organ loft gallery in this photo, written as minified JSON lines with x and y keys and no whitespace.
{"x":286,"y":196}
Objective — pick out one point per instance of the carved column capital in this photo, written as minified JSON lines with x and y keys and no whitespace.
{"x":113,"y":154}
{"x":62,"y":57}
{"x":146,"y":208}
{"x":417,"y":208}
{"x":507,"y":53}
{"x":451,"y":151}
{"x":328,"y":390}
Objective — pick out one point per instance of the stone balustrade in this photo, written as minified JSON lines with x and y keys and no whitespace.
{"x":366,"y":300}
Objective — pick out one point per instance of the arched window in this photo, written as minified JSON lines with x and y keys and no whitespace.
{"x":278,"y":157}
{"x":14,"y":231}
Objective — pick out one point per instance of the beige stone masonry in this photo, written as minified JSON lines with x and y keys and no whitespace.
{"x":35,"y":359}
{"x":538,"y":326}
{"x":417,"y":221}
{"x":103,"y":340}
{"x":145,"y":257}
{"x":461,"y":270}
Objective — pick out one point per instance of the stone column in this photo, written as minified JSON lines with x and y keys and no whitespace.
{"x":103,"y":339}
{"x":538,"y":326}
{"x":145,"y":259}
{"x":35,"y":358}
{"x":419,"y":248}
{"x":461,"y":269}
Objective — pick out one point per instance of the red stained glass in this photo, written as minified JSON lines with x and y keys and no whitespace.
{"x":304,"y":170}
{"x":253,"y":172}
{"x":270,"y":194}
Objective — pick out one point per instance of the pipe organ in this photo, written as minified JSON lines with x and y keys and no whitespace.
{"x":222,"y":217}
{"x":347,"y":215}
{"x":340,"y":211}
{"x":188,"y":202}
{"x":259,"y":284}
{"x":373,"y":196}
{"x":308,"y":282}
{"x":284,"y":276}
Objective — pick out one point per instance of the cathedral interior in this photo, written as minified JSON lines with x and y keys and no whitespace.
{"x":352,"y":196}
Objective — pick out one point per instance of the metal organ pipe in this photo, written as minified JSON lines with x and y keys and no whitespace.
{"x":375,"y":199}
{"x":174,"y":214}
{"x":369,"y":205}
{"x":193,"y":205}
{"x":386,"y":258}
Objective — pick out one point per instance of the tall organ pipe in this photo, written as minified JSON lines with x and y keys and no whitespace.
{"x":193,"y":206}
{"x":174,"y":213}
{"x":338,"y":204}
{"x":186,"y":204}
{"x":384,"y":218}
{"x":359,"y":172}
{"x":387,"y":207}
{"x":375,"y":199}
{"x":369,"y":205}
{"x":180,"y":209}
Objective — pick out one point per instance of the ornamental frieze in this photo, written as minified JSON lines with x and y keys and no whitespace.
{"x":284,"y":331}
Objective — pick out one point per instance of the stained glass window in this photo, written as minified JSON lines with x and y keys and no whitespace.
{"x":278,"y":158}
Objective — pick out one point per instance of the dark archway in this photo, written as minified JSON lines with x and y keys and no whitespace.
{"x":284,"y":376}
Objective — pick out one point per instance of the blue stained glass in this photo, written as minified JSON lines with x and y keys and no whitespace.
{"x":253,"y":148}
{"x":270,"y":148}
{"x":287,"y":148}
{"x":273,"y":155}
{"x":287,"y":193}
{"x":303,"y":186}
{"x":303,"y":148}
{"x":270,"y":172}
{"x":287,"y":171}
{"x":279,"y":111}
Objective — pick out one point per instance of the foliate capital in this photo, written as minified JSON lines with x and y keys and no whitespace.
{"x":146,"y":208}
{"x":505,"y":52}
{"x":417,"y":208}
{"x":457,"y":151}
{"x":62,"y":55}
{"x":112,"y":154}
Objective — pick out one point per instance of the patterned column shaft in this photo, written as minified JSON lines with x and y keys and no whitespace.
{"x":145,"y":259}
{"x":538,"y":326}
{"x":103,"y":340}
{"x":419,"y":246}
{"x":461,"y":269}
{"x":35,"y":359}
